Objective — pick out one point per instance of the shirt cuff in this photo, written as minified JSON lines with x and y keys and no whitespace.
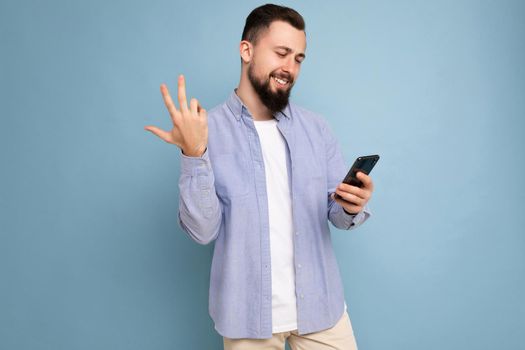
{"x":195,"y":165}
{"x":358,"y":218}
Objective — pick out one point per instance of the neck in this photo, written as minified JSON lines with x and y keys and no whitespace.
{"x":249,"y":97}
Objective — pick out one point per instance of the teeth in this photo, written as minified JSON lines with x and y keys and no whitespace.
{"x":281,"y":81}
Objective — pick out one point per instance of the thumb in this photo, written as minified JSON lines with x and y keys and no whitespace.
{"x":160,"y":133}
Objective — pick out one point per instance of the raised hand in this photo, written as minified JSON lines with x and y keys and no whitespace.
{"x":190,"y":125}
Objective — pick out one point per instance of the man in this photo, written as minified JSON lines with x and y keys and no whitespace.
{"x":258,"y":177}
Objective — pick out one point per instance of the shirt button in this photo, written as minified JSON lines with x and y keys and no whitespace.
{"x":299,"y":265}
{"x":297,"y":233}
{"x":302,"y":296}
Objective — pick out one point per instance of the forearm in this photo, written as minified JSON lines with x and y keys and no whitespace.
{"x":200,"y":210}
{"x":336,"y":170}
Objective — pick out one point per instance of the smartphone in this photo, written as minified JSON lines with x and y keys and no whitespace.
{"x":363,"y":164}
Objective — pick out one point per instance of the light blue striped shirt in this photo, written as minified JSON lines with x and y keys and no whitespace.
{"x":223,"y":199}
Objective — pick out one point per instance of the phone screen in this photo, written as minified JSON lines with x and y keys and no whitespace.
{"x":363,"y":164}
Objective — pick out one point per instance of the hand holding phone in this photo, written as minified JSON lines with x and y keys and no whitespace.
{"x":355,"y":198}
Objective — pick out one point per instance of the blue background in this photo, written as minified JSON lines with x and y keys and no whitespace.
{"x":91,"y":254}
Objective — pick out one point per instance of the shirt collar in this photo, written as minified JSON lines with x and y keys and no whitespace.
{"x":236,"y":106}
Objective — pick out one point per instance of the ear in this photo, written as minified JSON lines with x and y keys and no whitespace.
{"x":246,"y":51}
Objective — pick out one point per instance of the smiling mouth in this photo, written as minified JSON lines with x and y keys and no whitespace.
{"x":281,"y":81}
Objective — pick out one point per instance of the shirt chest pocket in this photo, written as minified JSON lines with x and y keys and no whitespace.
{"x":309,"y":176}
{"x":232,"y":175}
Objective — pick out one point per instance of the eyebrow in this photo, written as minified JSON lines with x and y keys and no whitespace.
{"x":287,"y":49}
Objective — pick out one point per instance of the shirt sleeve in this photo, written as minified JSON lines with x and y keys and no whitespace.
{"x":200,"y":211}
{"x":336,"y":171}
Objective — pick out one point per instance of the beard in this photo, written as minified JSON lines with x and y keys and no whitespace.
{"x":275,"y":101}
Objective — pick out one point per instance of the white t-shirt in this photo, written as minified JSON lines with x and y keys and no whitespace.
{"x":284,"y":307}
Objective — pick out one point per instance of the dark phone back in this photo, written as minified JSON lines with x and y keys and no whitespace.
{"x":363,"y":164}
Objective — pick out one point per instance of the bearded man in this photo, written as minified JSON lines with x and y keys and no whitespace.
{"x":258,"y":178}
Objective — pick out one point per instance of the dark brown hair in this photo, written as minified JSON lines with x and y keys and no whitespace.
{"x":259,"y":20}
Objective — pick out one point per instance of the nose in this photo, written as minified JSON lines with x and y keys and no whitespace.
{"x":291,"y":66}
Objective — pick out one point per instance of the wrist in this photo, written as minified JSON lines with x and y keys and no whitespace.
{"x":196,"y":153}
{"x":349,"y":213}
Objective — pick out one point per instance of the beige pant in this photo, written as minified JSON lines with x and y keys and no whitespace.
{"x":339,"y":337}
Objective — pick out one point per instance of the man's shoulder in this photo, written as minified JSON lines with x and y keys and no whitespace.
{"x":307,"y":115}
{"x":219,"y":112}
{"x":219,"y":109}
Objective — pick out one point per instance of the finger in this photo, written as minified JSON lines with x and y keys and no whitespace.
{"x":202,"y":112}
{"x":194,"y":105}
{"x":182,"y":94}
{"x":365,"y":179}
{"x":350,"y":198}
{"x":160,"y":133}
{"x":347,"y":206}
{"x":168,"y":101}
{"x":352,"y":189}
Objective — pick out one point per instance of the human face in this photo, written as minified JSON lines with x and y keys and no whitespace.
{"x":276,"y":63}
